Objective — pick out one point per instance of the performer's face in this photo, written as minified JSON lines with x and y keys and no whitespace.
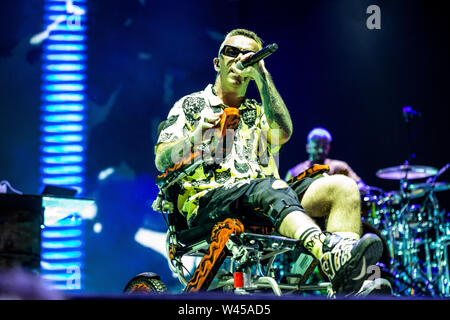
{"x":224,"y":63}
{"x":318,"y":149}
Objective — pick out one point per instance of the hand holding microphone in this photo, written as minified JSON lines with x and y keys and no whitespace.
{"x":261,"y":54}
{"x":409,"y":113}
{"x":252,"y":59}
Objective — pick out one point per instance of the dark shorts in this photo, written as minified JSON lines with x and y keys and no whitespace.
{"x":264,"y":201}
{"x":300,"y":186}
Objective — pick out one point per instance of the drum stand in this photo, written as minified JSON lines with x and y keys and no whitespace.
{"x":441,"y":246}
{"x":419,"y":275}
{"x":416,"y":271}
{"x":406,"y":266}
{"x":442,"y":258}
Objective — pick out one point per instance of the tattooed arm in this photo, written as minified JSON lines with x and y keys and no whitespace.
{"x":275,"y":110}
{"x":277,"y":114}
{"x":168,"y":154}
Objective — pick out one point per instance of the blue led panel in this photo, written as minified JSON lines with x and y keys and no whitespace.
{"x":63,"y":129}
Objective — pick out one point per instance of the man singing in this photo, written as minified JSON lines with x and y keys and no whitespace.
{"x":244,"y":182}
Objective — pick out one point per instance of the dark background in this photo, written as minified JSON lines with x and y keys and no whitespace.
{"x":330,"y":69}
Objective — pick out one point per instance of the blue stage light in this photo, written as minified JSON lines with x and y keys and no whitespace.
{"x":62,"y":138}
{"x":59,"y":266}
{"x":63,"y":87}
{"x":63,"y":116}
{"x":65,"y":1}
{"x":61,"y":234}
{"x":63,"y":255}
{"x":63,"y":37}
{"x":63,"y":244}
{"x":61,"y":8}
{"x":65,"y":47}
{"x":63,"y":97}
{"x":64,"y":67}
{"x":63,"y":149}
{"x":63,"y":181}
{"x":64,"y":57}
{"x":62,"y":159}
{"x":62,"y":170}
{"x":69,"y":127}
{"x":66,"y":27}
{"x":66,"y":107}
{"x":61,"y":77}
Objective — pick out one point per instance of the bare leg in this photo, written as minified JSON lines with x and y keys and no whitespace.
{"x":336,"y":197}
{"x":344,"y":257}
{"x":300,"y":226}
{"x":294,"y":223}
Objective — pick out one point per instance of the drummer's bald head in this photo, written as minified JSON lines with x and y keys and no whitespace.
{"x":318,"y":144}
{"x":319,"y":133}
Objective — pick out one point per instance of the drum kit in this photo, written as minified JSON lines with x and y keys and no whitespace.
{"x":415,"y":229}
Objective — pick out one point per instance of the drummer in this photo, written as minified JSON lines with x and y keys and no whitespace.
{"x":318,"y":147}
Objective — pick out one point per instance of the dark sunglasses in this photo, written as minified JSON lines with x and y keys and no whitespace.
{"x":233,"y":52}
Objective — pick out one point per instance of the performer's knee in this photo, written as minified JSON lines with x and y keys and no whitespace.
{"x":339,"y":185}
{"x":276,"y":199}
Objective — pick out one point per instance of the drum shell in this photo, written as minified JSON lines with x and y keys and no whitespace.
{"x":374,"y":211}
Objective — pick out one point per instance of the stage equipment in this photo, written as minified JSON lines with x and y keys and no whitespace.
{"x":63,"y":109}
{"x":415,"y":228}
{"x":43,"y":234}
{"x":406,"y":172}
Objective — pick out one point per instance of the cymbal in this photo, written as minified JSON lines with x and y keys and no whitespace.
{"x":420,"y":189}
{"x":415,"y":191}
{"x":407,"y":171}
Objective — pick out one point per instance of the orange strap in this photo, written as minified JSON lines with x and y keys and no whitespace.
{"x":211,"y":262}
{"x":311,"y":171}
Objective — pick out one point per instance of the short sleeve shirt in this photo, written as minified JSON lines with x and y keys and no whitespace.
{"x":250,"y":155}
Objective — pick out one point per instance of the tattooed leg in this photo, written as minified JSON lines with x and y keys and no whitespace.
{"x":298,"y":225}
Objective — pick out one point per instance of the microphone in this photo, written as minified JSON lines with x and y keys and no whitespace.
{"x":409,"y":113}
{"x":261,"y":54}
{"x":440,"y":172}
